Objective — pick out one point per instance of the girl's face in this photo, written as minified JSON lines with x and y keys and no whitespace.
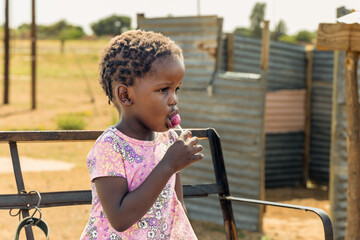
{"x":154,"y":97}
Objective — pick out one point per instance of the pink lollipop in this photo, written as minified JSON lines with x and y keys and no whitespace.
{"x":175,"y":120}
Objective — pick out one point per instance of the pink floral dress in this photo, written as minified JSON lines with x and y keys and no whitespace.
{"x":117,"y":155}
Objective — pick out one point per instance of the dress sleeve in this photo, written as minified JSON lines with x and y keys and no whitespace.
{"x":172,"y":136}
{"x":105,"y":160}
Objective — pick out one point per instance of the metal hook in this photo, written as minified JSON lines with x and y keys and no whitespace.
{"x":37,"y":208}
{"x":38,"y":204}
{"x":32,"y":216}
{"x":14,"y":215}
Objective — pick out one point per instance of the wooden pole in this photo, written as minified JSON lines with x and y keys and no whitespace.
{"x":264,"y":63}
{"x":265,"y":49}
{"x":230,"y":51}
{"x":353,"y":145}
{"x":309,"y":69}
{"x":6,"y":53}
{"x":33,"y":57}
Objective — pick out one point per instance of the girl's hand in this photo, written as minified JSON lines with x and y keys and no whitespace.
{"x":184,"y":152}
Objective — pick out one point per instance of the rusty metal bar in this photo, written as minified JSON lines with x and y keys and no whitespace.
{"x":20,"y":184}
{"x":66,"y":135}
{"x":68,"y":198}
{"x":325,"y":219}
{"x":221,"y":179}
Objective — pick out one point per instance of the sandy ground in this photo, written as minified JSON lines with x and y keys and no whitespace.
{"x":34,"y":165}
{"x":68,"y":222}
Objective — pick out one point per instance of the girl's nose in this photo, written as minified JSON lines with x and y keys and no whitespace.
{"x":173,"y":99}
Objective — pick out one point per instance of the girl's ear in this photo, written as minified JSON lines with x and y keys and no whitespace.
{"x":122,"y":95}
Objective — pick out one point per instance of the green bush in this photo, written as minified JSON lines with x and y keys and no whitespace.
{"x":71,"y":121}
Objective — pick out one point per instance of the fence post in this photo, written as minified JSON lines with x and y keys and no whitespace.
{"x":309,"y":70}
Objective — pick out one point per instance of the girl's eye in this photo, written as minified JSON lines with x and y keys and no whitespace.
{"x":177,"y":89}
{"x":163,"y":90}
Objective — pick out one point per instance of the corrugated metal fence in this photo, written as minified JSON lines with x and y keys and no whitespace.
{"x":287,"y":70}
{"x":287,"y":62}
{"x":236,"y":111}
{"x":321,"y":108}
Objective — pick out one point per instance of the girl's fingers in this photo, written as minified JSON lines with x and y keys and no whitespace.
{"x":193,"y":141}
{"x":196,"y":149}
{"x":198,"y":156}
{"x":185,"y":135}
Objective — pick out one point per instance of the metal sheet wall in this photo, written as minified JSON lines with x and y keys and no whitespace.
{"x":285,"y":111}
{"x":287,"y":62}
{"x":287,"y":70}
{"x":198,"y":37}
{"x":338,"y":159}
{"x":236,"y":111}
{"x":321,"y":108}
{"x":284,"y":159}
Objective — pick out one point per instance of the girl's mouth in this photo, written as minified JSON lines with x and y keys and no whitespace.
{"x":175,"y":120}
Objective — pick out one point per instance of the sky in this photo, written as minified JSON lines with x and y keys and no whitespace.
{"x":297,"y":14}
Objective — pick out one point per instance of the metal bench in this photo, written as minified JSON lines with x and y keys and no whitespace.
{"x":22,"y":200}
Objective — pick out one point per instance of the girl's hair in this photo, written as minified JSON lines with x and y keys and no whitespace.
{"x":130,"y":55}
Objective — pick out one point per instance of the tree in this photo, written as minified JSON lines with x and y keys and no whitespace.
{"x":112,"y":25}
{"x":305,"y":36}
{"x":70,"y":33}
{"x":61,"y":30}
{"x":256,"y":19}
{"x":280,"y":30}
{"x":64,"y":31}
{"x":243,"y":31}
{"x":287,"y":39}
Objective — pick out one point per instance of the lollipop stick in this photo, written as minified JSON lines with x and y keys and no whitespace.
{"x":180,"y":128}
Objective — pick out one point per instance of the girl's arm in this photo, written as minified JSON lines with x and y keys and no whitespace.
{"x":124,"y":208}
{"x":179,"y":191}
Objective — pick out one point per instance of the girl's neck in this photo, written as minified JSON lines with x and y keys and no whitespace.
{"x":146,"y":135}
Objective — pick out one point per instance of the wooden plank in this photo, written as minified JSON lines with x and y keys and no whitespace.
{"x":338,"y":37}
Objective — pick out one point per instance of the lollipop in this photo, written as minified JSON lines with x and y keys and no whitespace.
{"x":175,"y":121}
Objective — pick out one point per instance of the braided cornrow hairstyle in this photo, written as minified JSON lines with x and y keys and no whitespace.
{"x":130,"y":55}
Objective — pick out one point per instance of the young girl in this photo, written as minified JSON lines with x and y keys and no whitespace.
{"x":134,"y":166}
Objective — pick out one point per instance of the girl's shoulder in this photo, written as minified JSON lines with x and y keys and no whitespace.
{"x":112,"y":135}
{"x":107,"y":135}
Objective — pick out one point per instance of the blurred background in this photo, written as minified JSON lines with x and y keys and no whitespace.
{"x":270,"y":151}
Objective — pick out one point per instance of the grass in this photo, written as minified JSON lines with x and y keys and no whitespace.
{"x":71,"y":121}
{"x":65,"y":85}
